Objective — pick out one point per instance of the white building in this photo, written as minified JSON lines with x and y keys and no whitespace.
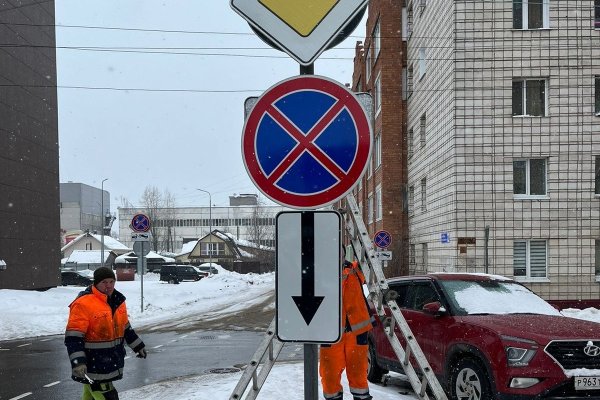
{"x":244,"y":218}
{"x":504,"y":132}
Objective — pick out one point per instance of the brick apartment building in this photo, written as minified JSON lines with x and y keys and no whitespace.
{"x":381,"y":194}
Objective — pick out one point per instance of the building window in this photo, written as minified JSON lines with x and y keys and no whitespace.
{"x":411,"y":134}
{"x":377,"y":150}
{"x":531,"y":14}
{"x":423,"y":126}
{"x":377,"y":94}
{"x":411,"y":255}
{"x":409,"y":21}
{"x":409,"y":82}
{"x":422,"y":63}
{"x":376,"y":40}
{"x":411,"y":199}
{"x":597,"y":257}
{"x":529,"y":97}
{"x":370,"y":208}
{"x":597,"y":14}
{"x":368,"y":64}
{"x":597,"y":95}
{"x":212,"y":249}
{"x":424,"y":194}
{"x":378,"y":204}
{"x":529,"y":177}
{"x":529,"y":258}
{"x":597,"y":176}
{"x":425,"y":256}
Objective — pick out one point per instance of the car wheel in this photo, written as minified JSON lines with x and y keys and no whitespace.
{"x":469,"y":381}
{"x":374,"y":371}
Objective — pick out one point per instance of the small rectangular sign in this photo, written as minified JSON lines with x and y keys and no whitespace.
{"x":308,"y":276}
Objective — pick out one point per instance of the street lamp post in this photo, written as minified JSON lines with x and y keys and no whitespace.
{"x":102,"y":223}
{"x":209,"y":224}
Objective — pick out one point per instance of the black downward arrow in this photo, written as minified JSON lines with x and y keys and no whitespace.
{"x":308,"y":303}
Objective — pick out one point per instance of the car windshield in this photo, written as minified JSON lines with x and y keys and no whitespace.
{"x":494,"y":297}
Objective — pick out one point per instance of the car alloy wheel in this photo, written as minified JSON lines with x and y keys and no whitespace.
{"x":374,"y":371}
{"x":469,"y":381}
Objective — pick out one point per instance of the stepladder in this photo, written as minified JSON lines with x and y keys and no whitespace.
{"x":406,"y":347}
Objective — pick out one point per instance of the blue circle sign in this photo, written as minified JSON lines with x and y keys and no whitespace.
{"x":306,"y":142}
{"x":382,"y":239}
{"x":140,"y":223}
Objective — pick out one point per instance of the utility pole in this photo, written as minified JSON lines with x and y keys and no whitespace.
{"x":209,"y":224}
{"x":102,"y":223}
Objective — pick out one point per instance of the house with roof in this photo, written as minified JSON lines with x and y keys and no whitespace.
{"x":85,"y":251}
{"x":231,"y":253}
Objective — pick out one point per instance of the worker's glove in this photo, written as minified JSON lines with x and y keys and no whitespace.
{"x":80,"y":371}
{"x":142,"y":353}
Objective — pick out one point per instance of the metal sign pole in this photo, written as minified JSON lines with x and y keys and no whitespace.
{"x":140,"y":268}
{"x":311,"y":351}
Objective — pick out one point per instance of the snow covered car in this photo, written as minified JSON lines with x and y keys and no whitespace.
{"x":489,"y":337}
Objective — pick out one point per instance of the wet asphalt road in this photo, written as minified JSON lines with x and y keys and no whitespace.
{"x":38,"y":368}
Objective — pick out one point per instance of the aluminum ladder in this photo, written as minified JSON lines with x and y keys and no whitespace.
{"x":264,"y":358}
{"x":424,"y":382}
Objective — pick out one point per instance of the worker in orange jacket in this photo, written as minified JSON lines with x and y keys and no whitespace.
{"x":350,"y":353}
{"x":97,"y":329}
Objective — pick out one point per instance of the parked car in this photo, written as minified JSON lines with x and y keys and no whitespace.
{"x":208,"y":269}
{"x":76,"y":278}
{"x":489,"y":337}
{"x":177,"y":273}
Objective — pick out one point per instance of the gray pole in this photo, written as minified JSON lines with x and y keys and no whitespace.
{"x":209,"y":224}
{"x":311,"y":351}
{"x":102,"y":223}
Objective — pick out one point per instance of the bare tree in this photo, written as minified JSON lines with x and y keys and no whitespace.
{"x":160,"y":208}
{"x":261,"y":232}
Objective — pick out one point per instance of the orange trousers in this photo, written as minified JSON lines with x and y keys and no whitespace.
{"x":347,"y":354}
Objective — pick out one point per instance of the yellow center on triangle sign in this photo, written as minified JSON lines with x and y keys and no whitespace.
{"x":301,"y":16}
{"x":301,"y":28}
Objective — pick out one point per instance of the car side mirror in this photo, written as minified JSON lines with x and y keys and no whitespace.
{"x":434,"y":308}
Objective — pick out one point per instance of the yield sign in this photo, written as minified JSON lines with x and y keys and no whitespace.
{"x":308,"y":276}
{"x":306,"y":142}
{"x":303,"y":29}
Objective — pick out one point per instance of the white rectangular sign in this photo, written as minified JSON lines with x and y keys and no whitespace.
{"x":308,"y":276}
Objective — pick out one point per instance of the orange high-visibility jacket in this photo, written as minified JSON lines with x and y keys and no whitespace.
{"x":95,"y":335}
{"x":355,"y":313}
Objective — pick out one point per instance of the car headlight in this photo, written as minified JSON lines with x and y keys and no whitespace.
{"x":519,"y":355}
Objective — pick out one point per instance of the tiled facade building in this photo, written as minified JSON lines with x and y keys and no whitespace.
{"x":29,"y":193}
{"x":501,"y":128}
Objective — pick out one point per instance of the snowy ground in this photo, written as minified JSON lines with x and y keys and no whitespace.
{"x":30,"y":313}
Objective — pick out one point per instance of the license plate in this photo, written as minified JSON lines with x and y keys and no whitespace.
{"x":587,"y":383}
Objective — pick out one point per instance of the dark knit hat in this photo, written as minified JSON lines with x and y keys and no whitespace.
{"x":103,"y":273}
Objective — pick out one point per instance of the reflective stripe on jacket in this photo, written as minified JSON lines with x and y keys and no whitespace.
{"x":95,"y":335}
{"x":355,"y":310}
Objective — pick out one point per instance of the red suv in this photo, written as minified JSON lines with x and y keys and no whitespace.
{"x":489,"y":337}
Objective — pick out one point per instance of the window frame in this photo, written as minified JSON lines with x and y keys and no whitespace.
{"x":423,"y":129}
{"x":422,"y":62}
{"x":524,"y":112}
{"x":377,"y":150}
{"x":524,"y":17}
{"x":370,"y":208}
{"x":597,"y":93}
{"x":376,"y":39}
{"x":377,"y":94}
{"x":378,"y":203}
{"x":368,"y":66}
{"x":596,"y":14}
{"x":597,"y":175}
{"x":527,"y":277}
{"x":527,"y":194}
{"x":424,"y":193}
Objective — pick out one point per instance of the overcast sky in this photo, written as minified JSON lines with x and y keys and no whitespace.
{"x":179,"y":126}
